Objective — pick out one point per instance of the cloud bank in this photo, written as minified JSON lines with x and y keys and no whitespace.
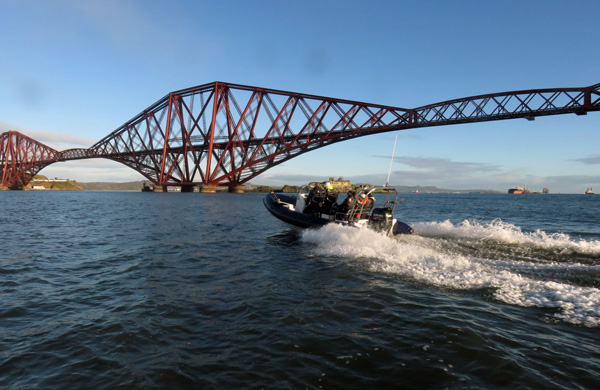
{"x":57,"y":141}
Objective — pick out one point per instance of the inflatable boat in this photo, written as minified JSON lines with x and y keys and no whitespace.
{"x":295,"y":210}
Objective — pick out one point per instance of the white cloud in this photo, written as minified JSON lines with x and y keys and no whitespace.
{"x":594,"y":160}
{"x":93,"y":170}
{"x":444,"y":166}
{"x":58,"y":141}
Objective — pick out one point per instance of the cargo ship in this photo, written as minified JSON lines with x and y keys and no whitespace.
{"x":516,"y":190}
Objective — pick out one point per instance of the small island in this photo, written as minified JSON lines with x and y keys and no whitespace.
{"x":42,"y":183}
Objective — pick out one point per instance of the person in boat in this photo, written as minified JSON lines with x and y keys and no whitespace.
{"x":370,"y":202}
{"x":315,"y":200}
{"x":348,"y":203}
{"x":362,"y":200}
{"x":363,"y":204}
{"x":330,"y":204}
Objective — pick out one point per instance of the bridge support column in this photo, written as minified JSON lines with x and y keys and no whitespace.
{"x":208,"y":189}
{"x":187,"y":188}
{"x":236,"y":189}
{"x":158,"y":188}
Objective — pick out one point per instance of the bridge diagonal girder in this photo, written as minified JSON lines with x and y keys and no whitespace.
{"x":227,"y":134}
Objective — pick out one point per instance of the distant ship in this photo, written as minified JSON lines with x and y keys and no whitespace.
{"x":147,"y":188}
{"x":589,"y":191}
{"x":516,"y":190}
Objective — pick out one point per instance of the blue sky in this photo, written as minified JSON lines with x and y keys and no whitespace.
{"x":74,"y":71}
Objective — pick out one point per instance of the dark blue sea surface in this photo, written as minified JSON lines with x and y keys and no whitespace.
{"x":116,"y":290}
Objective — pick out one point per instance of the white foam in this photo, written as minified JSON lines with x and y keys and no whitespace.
{"x":423,"y":259}
{"x":500,"y":231}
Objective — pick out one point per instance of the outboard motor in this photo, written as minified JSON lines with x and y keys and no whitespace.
{"x":381,"y":219}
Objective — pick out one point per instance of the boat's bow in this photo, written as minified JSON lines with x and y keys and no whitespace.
{"x":283,"y":207}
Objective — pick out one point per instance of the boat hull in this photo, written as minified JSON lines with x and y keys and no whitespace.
{"x":401,"y":228}
{"x":276,"y":205}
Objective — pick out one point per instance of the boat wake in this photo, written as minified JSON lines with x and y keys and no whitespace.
{"x":535,"y":246}
{"x":529,"y":269}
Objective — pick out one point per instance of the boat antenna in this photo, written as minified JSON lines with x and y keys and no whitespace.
{"x":387,"y":183}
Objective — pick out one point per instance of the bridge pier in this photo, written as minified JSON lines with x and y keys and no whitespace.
{"x":187,"y":188}
{"x":236,"y":189}
{"x":208,"y":189}
{"x":158,"y":188}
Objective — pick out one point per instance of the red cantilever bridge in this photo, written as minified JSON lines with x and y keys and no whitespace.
{"x":222,"y":134}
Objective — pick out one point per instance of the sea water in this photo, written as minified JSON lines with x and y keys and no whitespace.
{"x":123,"y":290}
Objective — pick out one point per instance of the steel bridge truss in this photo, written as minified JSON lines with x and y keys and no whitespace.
{"x":21,"y":158}
{"x":226,"y":134}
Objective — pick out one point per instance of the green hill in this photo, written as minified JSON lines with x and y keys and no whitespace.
{"x":103,"y":186}
{"x":42,"y":183}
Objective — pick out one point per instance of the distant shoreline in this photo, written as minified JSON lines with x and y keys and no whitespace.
{"x":41,"y":183}
{"x":136,"y":186}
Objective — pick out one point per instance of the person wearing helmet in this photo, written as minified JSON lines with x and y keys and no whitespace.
{"x":349,"y":202}
{"x":315,"y":200}
{"x":330,"y":204}
{"x":364,"y":203}
{"x":370,"y":202}
{"x":361,"y":202}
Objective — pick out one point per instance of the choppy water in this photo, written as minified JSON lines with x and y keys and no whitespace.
{"x":181,"y":291}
